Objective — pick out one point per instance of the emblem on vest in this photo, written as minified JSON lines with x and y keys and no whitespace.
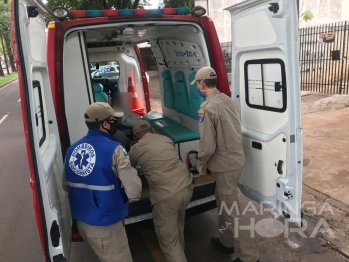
{"x":83,"y":159}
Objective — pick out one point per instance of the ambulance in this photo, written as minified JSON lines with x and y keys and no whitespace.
{"x":57,"y":64}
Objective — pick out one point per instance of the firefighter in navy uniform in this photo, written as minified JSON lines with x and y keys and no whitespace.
{"x":101,"y":182}
{"x":221,"y":151}
{"x":171,"y":187}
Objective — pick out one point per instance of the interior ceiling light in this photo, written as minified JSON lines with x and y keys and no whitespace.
{"x":198,"y":11}
{"x":60,"y":12}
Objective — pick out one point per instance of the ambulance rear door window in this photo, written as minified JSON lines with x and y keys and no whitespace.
{"x":265,"y":84}
{"x":39,"y":113}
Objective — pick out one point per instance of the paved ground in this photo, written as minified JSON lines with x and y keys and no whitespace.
{"x":326,"y":144}
{"x":19,"y":240}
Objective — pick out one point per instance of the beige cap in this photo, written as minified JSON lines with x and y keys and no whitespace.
{"x":100,"y":111}
{"x":204,"y":73}
{"x":141,"y":126}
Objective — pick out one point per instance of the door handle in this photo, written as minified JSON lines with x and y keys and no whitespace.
{"x":257,"y":145}
{"x":280,"y":167}
{"x":36,"y":119}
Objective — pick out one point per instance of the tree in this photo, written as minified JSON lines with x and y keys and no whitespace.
{"x":307,"y":15}
{"x":5,"y":34}
{"x":5,"y":56}
{"x":1,"y":70}
{"x":179,"y":3}
{"x":9,"y":51}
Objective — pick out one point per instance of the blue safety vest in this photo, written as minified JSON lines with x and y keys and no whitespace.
{"x":96,"y":196}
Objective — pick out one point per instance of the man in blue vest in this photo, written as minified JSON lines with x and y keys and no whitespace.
{"x":101,"y":182}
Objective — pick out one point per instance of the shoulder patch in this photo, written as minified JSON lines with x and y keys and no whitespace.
{"x":125,"y":152}
{"x":201,"y":115}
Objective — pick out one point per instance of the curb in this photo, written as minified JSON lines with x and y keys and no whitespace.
{"x":337,"y":245}
{"x":10,"y":82}
{"x":338,"y":204}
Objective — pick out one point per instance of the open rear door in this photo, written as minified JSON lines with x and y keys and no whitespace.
{"x":41,"y":131}
{"x":266,"y":89}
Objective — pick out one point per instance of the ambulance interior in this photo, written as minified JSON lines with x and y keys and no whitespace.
{"x":98,"y":62}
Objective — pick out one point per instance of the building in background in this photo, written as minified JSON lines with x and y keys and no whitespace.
{"x":324,"y":42}
{"x":325,"y":11}
{"x":221,"y":18}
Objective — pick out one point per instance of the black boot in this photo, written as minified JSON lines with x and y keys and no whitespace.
{"x":217,"y":244}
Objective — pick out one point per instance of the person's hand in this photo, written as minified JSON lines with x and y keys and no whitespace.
{"x":201,"y":169}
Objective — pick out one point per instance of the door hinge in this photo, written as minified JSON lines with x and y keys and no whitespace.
{"x":59,"y":258}
{"x":274,"y":7}
{"x":32,"y":11}
{"x":55,"y":234}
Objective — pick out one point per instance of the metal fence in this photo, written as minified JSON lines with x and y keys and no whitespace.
{"x":324,"y":58}
{"x":226,"y":50}
{"x":323,"y":52}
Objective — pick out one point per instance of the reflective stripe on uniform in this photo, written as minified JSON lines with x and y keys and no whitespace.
{"x":91,"y":187}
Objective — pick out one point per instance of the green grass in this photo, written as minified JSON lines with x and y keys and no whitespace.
{"x":7,"y":78}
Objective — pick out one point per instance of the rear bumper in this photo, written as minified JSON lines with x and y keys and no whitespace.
{"x":148,"y":221}
{"x":141,"y":216}
{"x":140,"y":212}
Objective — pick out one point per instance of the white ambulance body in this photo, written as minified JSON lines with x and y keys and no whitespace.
{"x":57,"y":84}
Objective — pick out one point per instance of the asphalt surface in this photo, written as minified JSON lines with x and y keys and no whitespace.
{"x":19,"y":239}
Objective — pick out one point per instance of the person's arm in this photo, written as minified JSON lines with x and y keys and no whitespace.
{"x":127,"y":174}
{"x":133,"y":156}
{"x":207,"y":138}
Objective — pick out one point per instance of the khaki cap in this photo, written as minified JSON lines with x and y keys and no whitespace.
{"x":204,"y":73}
{"x":100,"y":111}
{"x":141,"y":126}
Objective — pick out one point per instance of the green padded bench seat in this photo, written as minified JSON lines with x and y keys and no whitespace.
{"x":170,"y":128}
{"x":168,"y":91}
{"x":177,"y":98}
{"x":181,"y":134}
{"x":100,"y":96}
{"x":154,"y":117}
